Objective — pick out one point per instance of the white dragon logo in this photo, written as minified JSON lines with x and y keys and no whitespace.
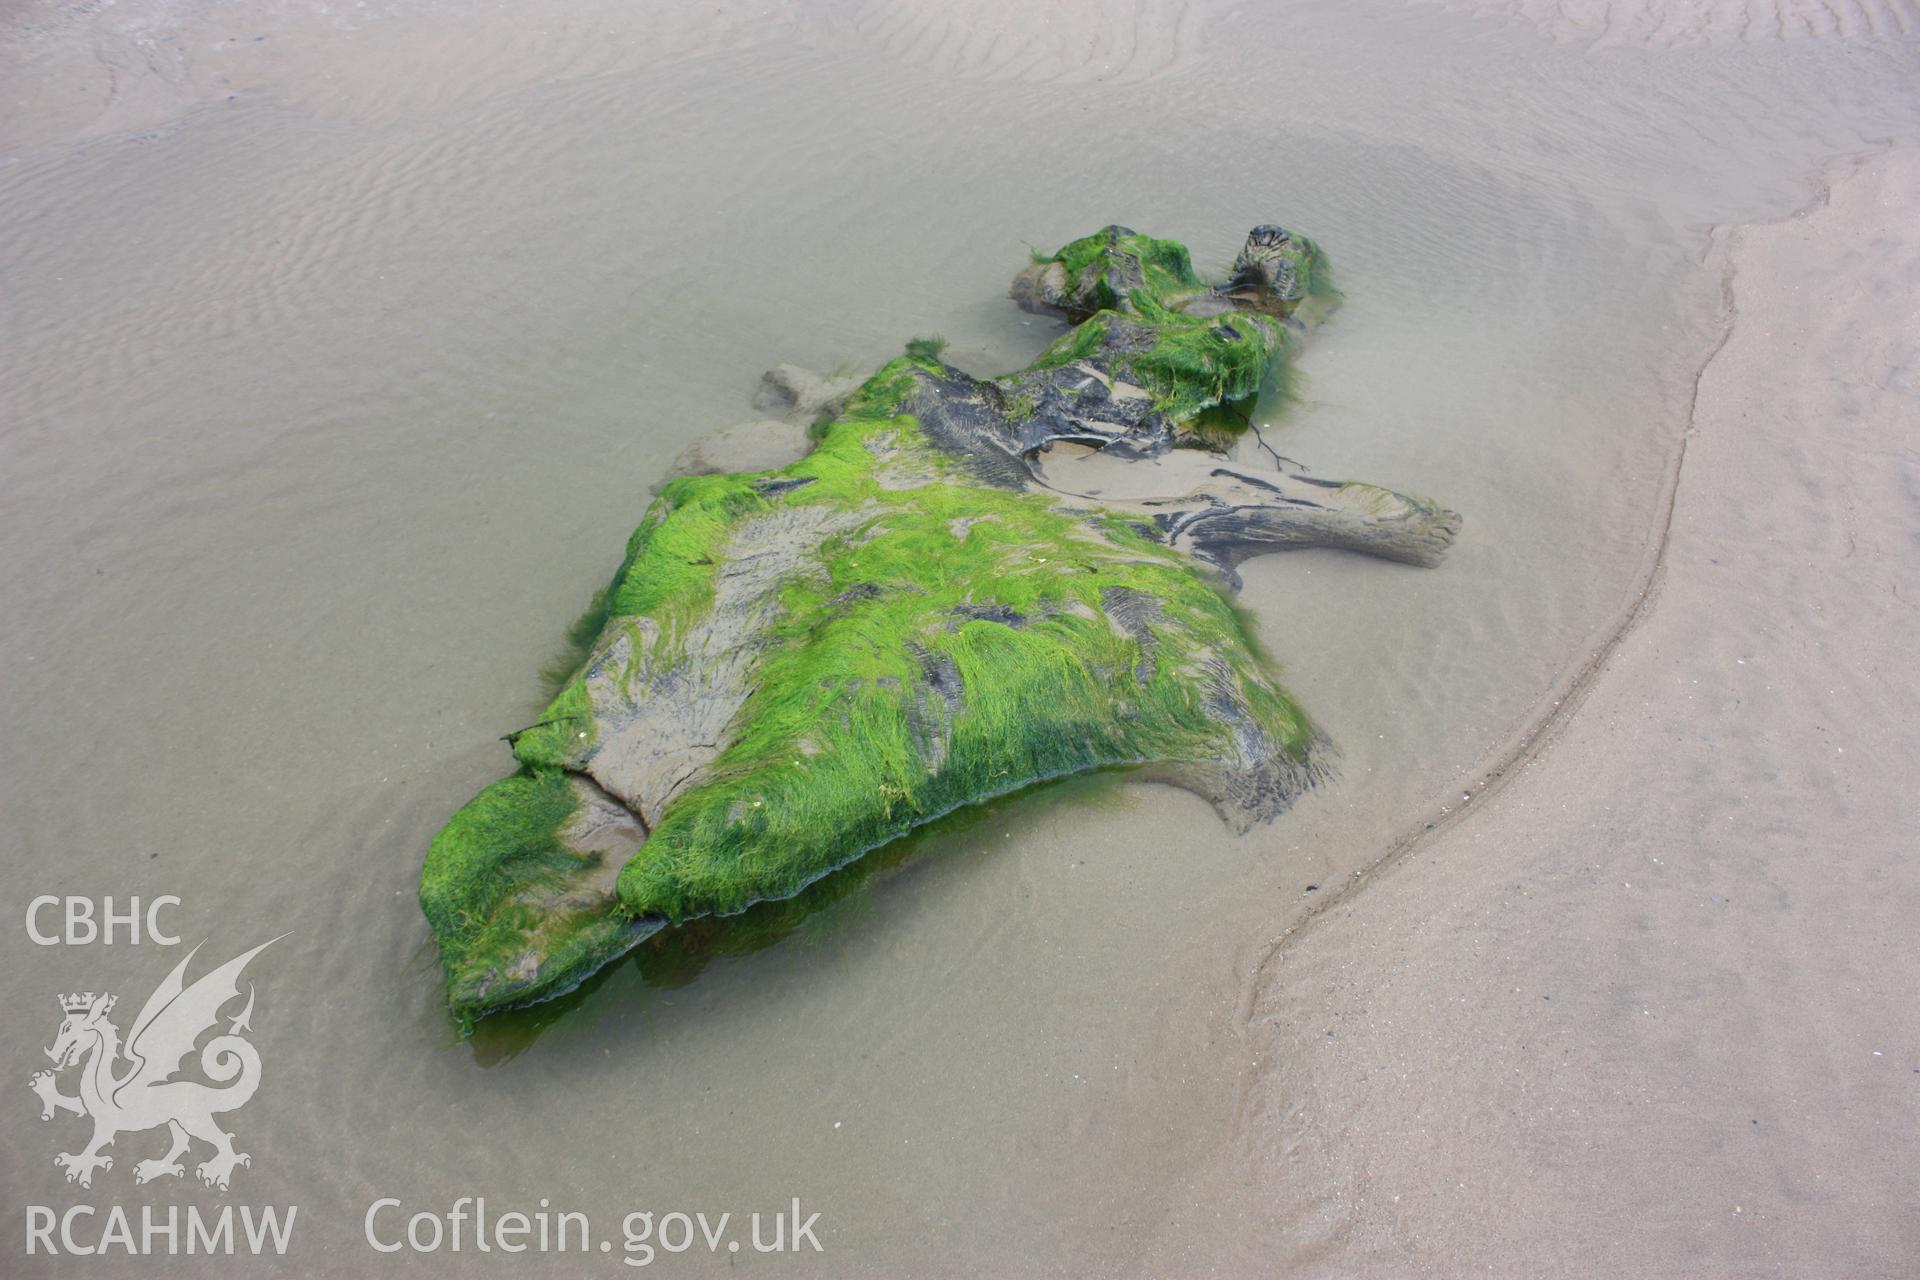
{"x":142,"y":1096}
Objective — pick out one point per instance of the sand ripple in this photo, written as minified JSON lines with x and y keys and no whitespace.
{"x":1069,"y":40}
{"x":1675,"y":23}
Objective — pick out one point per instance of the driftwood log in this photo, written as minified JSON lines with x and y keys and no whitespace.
{"x":966,"y":586}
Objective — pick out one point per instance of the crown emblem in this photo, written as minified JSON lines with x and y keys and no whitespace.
{"x":81,"y":1001}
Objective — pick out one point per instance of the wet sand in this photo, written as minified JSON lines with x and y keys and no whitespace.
{"x":1646,"y":1006}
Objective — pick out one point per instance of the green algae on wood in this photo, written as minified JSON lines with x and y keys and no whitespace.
{"x":930,"y":609}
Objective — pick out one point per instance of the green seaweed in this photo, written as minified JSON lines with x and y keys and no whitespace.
{"x":947,"y":643}
{"x":500,"y":844}
{"x":1077,"y":343}
{"x":1165,"y":265}
{"x":1321,"y":298}
{"x":1196,"y":364}
{"x":827,"y":766}
{"x":926,"y":350}
{"x":828,"y":909}
{"x":581,"y":634}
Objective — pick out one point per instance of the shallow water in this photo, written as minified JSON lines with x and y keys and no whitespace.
{"x":324,"y":408}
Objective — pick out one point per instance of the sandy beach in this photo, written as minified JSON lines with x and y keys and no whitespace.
{"x":1646,"y":1006}
{"x":343,"y":346}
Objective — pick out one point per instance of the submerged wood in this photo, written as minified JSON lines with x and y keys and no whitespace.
{"x":968,"y":585}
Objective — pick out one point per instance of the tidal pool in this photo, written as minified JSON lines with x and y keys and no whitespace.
{"x":336,"y":368}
